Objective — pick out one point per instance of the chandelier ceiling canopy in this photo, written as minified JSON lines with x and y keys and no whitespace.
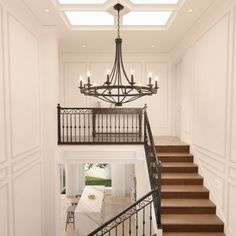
{"x":118,"y":87}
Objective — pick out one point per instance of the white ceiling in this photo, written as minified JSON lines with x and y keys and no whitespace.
{"x":135,"y":40}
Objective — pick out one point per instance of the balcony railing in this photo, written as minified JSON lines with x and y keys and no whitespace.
{"x":100,"y":125}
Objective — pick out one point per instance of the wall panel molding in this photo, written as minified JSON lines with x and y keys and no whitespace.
{"x":215,"y":182}
{"x":209,"y":153}
{"x":29,"y":195}
{"x":221,"y":25}
{"x":3,"y":148}
{"x":4,"y":213}
{"x":33,"y":142}
{"x":24,"y":162}
{"x":232,"y":138}
{"x":213,"y":163}
{"x":3,"y":174}
{"x":231,"y":214}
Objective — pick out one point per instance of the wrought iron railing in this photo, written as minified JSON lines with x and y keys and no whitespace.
{"x":137,"y":219}
{"x":100,"y":125}
{"x":154,"y":167}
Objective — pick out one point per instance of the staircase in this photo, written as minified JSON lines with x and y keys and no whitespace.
{"x":186,"y":209}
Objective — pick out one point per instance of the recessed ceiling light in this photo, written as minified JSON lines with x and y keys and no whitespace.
{"x":83,"y":46}
{"x":155,"y":18}
{"x":81,"y":1}
{"x":47,"y":10}
{"x":85,"y":18}
{"x":190,"y":10}
{"x":153,"y":46}
{"x":155,"y":1}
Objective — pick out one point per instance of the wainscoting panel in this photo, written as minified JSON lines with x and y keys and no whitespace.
{"x":186,"y":95}
{"x":3,"y":174}
{"x":27,"y":202}
{"x":2,"y":102}
{"x":72,"y":72}
{"x":211,"y":161}
{"x":4,"y":223}
{"x":210,"y":72}
{"x":24,"y":162}
{"x":158,"y":105}
{"x":233,"y":106}
{"x":232,"y":172}
{"x":24,"y":73}
{"x":231,"y":208}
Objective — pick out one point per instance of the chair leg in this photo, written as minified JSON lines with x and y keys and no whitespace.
{"x":73,"y":220}
{"x":67,"y":218}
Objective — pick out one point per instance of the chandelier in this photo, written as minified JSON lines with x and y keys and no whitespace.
{"x":118,"y":87}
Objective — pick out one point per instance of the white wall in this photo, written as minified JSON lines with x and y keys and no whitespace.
{"x":208,"y":105}
{"x":22,"y":203}
{"x":159,"y":106}
{"x":20,"y":157}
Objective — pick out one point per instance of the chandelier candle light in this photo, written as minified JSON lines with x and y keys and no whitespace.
{"x":118,"y":88}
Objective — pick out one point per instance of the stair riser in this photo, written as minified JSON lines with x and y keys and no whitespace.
{"x":188,"y":210}
{"x":181,"y":195}
{"x":193,"y":228}
{"x":173,"y":149}
{"x":175,"y":159}
{"x":180,"y":169}
{"x":182,"y":181}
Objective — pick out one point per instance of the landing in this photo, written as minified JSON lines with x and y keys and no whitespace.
{"x":168,"y":141}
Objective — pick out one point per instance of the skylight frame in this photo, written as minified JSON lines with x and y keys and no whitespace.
{"x":93,"y":18}
{"x":80,"y":2}
{"x":143,"y":21}
{"x":156,"y":2}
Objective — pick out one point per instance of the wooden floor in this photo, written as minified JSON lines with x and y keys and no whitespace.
{"x":105,"y":138}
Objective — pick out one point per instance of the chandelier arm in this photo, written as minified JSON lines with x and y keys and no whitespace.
{"x":133,"y":99}
{"x":105,"y":99}
{"x":109,"y":99}
{"x":123,"y":68}
{"x":112,"y":74}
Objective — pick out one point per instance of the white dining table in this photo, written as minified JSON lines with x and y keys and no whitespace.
{"x":88,"y":213}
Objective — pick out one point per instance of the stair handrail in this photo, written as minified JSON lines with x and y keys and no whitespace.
{"x":155,"y":178}
{"x":133,"y":209}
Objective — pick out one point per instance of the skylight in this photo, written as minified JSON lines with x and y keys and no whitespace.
{"x":81,"y":1}
{"x":89,"y":18}
{"x":152,"y":18}
{"x":155,"y":1}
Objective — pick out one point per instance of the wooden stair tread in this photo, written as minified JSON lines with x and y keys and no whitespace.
{"x":183,"y":148}
{"x":188,"y":219}
{"x":187,"y":203}
{"x":179,"y":164}
{"x":183,"y":188}
{"x":177,"y":154}
{"x":179,"y":167}
{"x":181,"y":176}
{"x":193,"y":234}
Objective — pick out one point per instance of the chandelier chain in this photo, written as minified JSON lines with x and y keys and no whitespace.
{"x":118,"y":23}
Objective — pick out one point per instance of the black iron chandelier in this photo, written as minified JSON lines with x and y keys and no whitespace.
{"x":115,"y":90}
